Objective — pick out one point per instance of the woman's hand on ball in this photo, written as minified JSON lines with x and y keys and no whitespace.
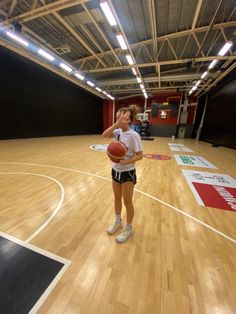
{"x":114,"y":160}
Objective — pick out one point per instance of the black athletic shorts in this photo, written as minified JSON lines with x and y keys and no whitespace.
{"x":125,"y":176}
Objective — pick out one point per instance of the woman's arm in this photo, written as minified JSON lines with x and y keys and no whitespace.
{"x":122,"y":122}
{"x":109,"y":132}
{"x":138,"y":156}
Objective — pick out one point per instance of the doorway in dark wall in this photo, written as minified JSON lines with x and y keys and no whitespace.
{"x":35,"y":102}
{"x":219,"y":125}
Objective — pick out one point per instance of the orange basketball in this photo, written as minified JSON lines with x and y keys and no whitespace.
{"x":116,"y":150}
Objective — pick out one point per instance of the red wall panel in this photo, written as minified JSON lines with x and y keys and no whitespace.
{"x":172,"y":98}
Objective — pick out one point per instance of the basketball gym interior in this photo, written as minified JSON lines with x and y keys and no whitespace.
{"x":66,"y":68}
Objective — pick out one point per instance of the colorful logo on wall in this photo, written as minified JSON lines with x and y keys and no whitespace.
{"x":163,"y":114}
{"x":100,"y":147}
{"x":212,"y":189}
{"x":157,"y":156}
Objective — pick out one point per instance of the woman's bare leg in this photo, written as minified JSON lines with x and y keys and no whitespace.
{"x":117,"y":189}
{"x":127,"y":193}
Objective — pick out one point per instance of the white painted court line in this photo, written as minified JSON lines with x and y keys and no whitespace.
{"x":189,"y":216}
{"x":57,"y":258}
{"x":35,"y":248}
{"x":56,"y":210}
{"x":148,"y":195}
{"x":99,"y":147}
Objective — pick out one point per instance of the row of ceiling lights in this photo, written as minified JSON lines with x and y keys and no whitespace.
{"x":111,"y":19}
{"x":50,"y":57}
{"x":222,"y":52}
{"x":108,"y":13}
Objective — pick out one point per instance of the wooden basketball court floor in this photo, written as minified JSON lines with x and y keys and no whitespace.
{"x":56,"y":194}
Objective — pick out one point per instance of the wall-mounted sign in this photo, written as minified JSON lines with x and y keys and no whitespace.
{"x":163,"y":114}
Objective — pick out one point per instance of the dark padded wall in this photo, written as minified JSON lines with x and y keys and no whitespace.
{"x":35,"y":102}
{"x":219,"y":125}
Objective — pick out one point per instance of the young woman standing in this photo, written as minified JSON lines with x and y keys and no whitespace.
{"x":124,"y":172}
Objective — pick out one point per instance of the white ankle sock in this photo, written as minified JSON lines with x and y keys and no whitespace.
{"x":117,"y":218}
{"x":128,"y":227}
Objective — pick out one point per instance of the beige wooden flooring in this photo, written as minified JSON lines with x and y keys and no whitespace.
{"x":171,"y":265}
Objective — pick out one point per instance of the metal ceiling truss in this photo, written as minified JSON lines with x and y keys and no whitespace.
{"x":44,"y":10}
{"x":205,"y":88}
{"x":125,"y":38}
{"x":210,"y":26}
{"x":161,"y":63}
{"x":151,"y":11}
{"x":196,"y":15}
{"x":162,"y":39}
{"x":153,"y":79}
{"x":98,"y":60}
{"x":214,"y":41}
{"x":101,"y":33}
{"x":130,"y":90}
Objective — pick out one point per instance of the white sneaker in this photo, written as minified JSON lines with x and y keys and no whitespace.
{"x":113,"y":229}
{"x":124,"y":235}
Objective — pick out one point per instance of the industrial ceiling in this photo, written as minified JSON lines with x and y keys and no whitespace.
{"x":170,"y":43}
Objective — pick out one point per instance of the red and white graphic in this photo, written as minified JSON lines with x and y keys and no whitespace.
{"x":212,"y":189}
{"x":163,"y":114}
{"x":217,"y":196}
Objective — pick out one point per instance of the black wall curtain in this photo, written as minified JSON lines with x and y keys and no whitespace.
{"x":35,"y":102}
{"x":219,"y":125}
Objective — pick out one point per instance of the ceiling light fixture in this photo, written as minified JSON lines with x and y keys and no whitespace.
{"x":212,"y":64}
{"x":45,"y":55}
{"x":134,"y":71}
{"x":18,"y":39}
{"x":129,"y":59}
{"x":79,"y":76}
{"x":121,"y":41}
{"x":225,"y":48}
{"x":198,"y":82}
{"x":112,"y":98}
{"x":107,"y":11}
{"x":204,"y":75}
{"x":90,"y":83}
{"x":65,"y":67}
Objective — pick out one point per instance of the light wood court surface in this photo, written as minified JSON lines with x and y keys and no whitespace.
{"x":172,"y":264}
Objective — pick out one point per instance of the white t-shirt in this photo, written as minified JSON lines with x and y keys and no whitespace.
{"x":132,"y":141}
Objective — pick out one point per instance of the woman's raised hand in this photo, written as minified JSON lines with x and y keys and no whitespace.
{"x":123,"y":120}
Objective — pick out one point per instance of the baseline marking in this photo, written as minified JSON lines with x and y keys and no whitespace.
{"x":148,"y":195}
